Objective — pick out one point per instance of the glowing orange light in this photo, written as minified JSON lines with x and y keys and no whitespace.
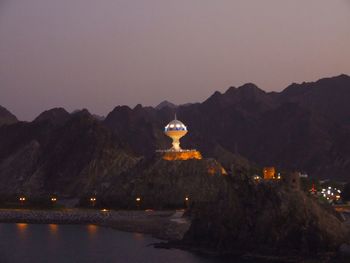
{"x":138,"y":199}
{"x":172,"y":156}
{"x":53,"y":228}
{"x":22,"y":227}
{"x":269,"y":173}
{"x":92,"y":229}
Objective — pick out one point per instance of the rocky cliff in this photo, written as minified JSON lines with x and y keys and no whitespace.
{"x":266,"y":218}
{"x":166,"y":184}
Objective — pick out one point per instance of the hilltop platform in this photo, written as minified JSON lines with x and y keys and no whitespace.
{"x":181,"y":155}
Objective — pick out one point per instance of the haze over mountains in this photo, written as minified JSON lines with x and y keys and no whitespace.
{"x":306,"y":127}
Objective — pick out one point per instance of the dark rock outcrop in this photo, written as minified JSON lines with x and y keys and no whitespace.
{"x":166,"y":184}
{"x":266,"y":219}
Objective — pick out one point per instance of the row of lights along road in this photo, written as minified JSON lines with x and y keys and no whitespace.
{"x":138,"y":200}
{"x":22,"y":199}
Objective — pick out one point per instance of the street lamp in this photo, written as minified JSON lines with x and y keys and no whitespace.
{"x":138,"y":201}
{"x":187,"y":201}
{"x":22,"y":199}
{"x":93,"y":201}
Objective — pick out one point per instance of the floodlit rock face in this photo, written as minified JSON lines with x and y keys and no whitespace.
{"x":265,"y":218}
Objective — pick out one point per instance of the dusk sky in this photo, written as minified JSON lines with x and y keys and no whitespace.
{"x":98,"y":54}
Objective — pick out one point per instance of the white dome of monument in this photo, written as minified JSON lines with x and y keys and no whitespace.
{"x":175,"y":125}
{"x":175,"y":130}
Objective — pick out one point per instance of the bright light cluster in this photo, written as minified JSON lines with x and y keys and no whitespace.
{"x":257,"y":178}
{"x":331,"y":193}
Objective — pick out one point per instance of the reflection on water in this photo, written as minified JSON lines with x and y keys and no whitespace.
{"x":53,"y":228}
{"x":26,"y":243}
{"x":92,"y":229}
{"x":138,"y":236}
{"x":21,"y":229}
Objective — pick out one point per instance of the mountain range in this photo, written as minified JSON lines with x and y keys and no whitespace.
{"x":306,"y":127}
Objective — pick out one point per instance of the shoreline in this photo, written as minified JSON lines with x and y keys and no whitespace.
{"x":164,"y":225}
{"x":168,"y":225}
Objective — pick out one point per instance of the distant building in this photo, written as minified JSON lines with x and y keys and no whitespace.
{"x":269,"y":173}
{"x":303,"y":175}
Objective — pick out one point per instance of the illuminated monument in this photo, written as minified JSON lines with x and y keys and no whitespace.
{"x":176,"y":130}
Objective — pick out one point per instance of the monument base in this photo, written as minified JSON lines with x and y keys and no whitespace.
{"x":182,"y":155}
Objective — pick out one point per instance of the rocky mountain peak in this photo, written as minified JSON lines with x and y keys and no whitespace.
{"x":6,"y":117}
{"x":164,"y":104}
{"x":56,"y":116}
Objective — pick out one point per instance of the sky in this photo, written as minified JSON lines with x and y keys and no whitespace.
{"x":99,"y":54}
